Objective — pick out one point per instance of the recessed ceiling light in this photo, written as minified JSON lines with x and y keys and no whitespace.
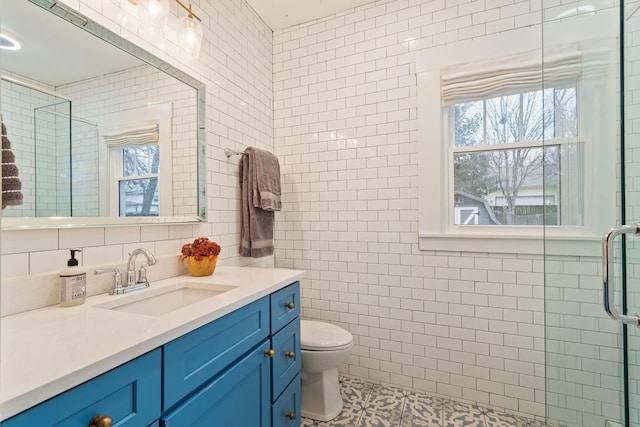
{"x":8,"y":41}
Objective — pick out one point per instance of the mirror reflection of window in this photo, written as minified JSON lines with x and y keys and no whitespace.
{"x":138,"y":185}
{"x":138,"y":147}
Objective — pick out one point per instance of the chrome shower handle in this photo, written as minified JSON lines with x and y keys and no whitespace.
{"x":608,"y":279}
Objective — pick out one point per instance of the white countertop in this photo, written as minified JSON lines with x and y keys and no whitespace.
{"x":48,"y":351}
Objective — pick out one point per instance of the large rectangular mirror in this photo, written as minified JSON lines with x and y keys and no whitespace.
{"x":103,"y":132}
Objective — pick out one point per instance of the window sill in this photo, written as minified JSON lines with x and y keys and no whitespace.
{"x":526,"y":243}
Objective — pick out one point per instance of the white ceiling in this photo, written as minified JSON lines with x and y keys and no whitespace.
{"x":53,"y":50}
{"x":279,"y":14}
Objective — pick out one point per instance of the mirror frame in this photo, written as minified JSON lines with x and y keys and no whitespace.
{"x":86,"y":24}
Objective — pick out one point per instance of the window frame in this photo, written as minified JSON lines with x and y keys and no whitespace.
{"x":435,"y":161}
{"x":110,"y":168}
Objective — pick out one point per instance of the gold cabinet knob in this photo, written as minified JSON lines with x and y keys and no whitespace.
{"x":269,"y":352}
{"x":289,"y":305}
{"x":290,"y":415}
{"x":100,"y":421}
{"x":290,"y":354}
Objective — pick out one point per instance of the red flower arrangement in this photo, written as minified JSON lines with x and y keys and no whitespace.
{"x":200,"y":248}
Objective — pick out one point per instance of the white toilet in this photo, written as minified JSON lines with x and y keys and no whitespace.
{"x":324,"y":348}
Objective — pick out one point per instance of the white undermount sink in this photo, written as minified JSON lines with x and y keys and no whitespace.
{"x":156,"y":302}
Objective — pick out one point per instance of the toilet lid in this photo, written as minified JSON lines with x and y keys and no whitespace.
{"x":323,"y":336}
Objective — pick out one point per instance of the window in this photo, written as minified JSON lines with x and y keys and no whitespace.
{"x":508,"y":154}
{"x":137,"y":180}
{"x":506,"y":145}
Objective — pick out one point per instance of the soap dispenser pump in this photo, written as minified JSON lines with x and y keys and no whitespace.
{"x":73,"y":282}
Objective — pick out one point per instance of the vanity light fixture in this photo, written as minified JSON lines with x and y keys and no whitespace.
{"x":152,"y":18}
{"x":153,"y":21}
{"x":189,"y":33}
{"x":9,"y":42}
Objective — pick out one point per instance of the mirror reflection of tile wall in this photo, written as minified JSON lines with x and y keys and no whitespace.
{"x":91,"y":99}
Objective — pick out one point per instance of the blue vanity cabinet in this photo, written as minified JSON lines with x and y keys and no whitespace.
{"x":260,"y":389}
{"x":285,"y":306}
{"x":287,"y":360}
{"x":236,"y":397}
{"x":285,"y":410}
{"x":194,"y":358}
{"x":129,"y":394}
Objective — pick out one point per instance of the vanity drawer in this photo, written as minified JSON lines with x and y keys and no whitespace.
{"x":129,"y":394}
{"x":193,"y":359}
{"x":286,"y":410}
{"x":238,"y":397}
{"x":286,"y":362}
{"x":285,"y":306}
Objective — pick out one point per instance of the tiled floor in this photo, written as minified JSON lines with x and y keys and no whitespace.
{"x":370,"y":405}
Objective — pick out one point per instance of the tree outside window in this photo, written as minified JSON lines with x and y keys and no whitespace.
{"x":510,"y":156}
{"x":138,"y":186}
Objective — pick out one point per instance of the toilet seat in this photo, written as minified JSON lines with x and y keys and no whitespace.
{"x":321,"y":336}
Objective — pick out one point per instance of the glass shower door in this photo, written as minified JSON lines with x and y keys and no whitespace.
{"x":593,"y":361}
{"x":619,"y":269}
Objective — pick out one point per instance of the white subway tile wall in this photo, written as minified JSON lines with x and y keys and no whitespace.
{"x":465,"y":325}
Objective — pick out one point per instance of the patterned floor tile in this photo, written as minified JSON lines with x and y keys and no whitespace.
{"x":499,"y":419}
{"x":381,"y":419}
{"x":460,"y":419}
{"x":455,"y":406}
{"x":308,"y":422}
{"x":349,"y":417}
{"x":370,"y":405}
{"x":385,"y":400}
{"x":422,"y":409}
{"x":410,"y":420}
{"x":355,"y":392}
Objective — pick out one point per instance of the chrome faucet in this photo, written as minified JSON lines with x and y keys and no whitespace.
{"x":117,"y":287}
{"x":141,"y":281}
{"x":132,"y":283}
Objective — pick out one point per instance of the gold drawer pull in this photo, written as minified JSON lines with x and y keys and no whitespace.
{"x":290,"y":305}
{"x":290,"y":415}
{"x":269,"y":352}
{"x":101,"y":421}
{"x":290,"y":355}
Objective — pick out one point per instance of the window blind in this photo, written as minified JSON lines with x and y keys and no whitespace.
{"x":519,"y":73}
{"x":140,"y":134}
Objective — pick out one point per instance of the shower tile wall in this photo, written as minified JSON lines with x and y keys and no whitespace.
{"x":464,"y":325}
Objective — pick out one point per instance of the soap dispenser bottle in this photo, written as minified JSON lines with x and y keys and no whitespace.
{"x":73,"y":282}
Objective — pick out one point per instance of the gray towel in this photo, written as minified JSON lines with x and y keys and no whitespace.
{"x":266,"y":179}
{"x":260,"y":197}
{"x":11,"y":185}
